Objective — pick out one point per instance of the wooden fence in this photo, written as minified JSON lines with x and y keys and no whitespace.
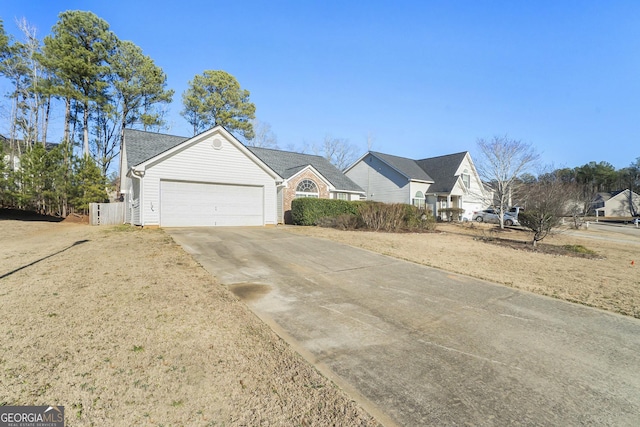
{"x":106,"y":213}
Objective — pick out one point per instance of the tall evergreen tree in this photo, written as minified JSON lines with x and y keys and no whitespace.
{"x":216,"y":98}
{"x":77,"y":52}
{"x":138,"y":87}
{"x":4,"y":42}
{"x":88,"y":184}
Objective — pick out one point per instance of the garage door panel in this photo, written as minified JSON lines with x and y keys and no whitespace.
{"x":187,"y":204}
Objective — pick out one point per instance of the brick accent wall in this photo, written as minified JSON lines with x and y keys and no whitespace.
{"x":290,"y":191}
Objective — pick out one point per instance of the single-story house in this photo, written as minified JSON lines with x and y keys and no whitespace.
{"x":435,"y":183}
{"x":623,"y":203}
{"x":307,"y":175}
{"x":212,"y":179}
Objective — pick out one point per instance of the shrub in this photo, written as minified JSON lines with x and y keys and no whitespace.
{"x":540,"y":222}
{"x":395,"y":217}
{"x":368,"y":215}
{"x":451,"y":214}
{"x":308,"y":211}
{"x":579,"y":249}
{"x":381,"y":216}
{"x":341,"y":222}
{"x":419,"y":219}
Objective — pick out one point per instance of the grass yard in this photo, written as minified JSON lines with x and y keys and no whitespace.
{"x":122,"y":328}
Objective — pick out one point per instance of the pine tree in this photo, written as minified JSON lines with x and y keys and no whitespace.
{"x":215,"y":98}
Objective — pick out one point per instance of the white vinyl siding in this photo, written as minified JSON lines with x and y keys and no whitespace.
{"x":473,"y":193}
{"x":200,"y":162}
{"x":380,"y":182}
{"x":196,"y":204}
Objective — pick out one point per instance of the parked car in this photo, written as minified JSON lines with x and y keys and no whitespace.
{"x":491,"y":215}
{"x":515,"y":210}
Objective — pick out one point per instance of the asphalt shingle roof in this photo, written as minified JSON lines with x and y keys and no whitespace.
{"x":287,"y":163}
{"x":407,"y":167}
{"x":442,"y":169}
{"x":141,"y":145}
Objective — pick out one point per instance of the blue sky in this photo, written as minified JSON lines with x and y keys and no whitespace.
{"x":421,"y":78}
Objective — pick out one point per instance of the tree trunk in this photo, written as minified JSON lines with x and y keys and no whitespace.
{"x":85,"y":130}
{"x":67,"y":120}
{"x":45,"y":120}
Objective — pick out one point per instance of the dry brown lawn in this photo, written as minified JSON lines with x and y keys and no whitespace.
{"x":609,"y":281}
{"x":122,"y":328}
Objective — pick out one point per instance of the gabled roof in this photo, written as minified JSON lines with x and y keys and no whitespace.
{"x":406,"y":167}
{"x":141,"y":145}
{"x":288,"y":163}
{"x":443,"y":171}
{"x":627,"y":193}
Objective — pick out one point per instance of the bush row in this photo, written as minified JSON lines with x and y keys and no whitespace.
{"x":367,"y":215}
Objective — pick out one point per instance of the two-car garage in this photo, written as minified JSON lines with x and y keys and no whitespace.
{"x":189,"y":204}
{"x":205,"y":181}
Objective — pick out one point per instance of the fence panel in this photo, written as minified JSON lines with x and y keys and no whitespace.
{"x":106,"y":213}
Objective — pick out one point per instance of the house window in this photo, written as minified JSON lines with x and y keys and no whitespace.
{"x":341,"y":196}
{"x":466,"y":178}
{"x":307,"y":188}
{"x":418,"y":200}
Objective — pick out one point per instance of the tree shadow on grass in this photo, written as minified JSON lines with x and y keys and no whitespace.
{"x":79,"y":242}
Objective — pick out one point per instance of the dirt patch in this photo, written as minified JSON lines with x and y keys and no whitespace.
{"x":126,"y":329}
{"x":578,"y":251}
{"x":608,"y":279}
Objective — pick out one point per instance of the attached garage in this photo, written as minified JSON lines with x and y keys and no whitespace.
{"x":189,"y":204}
{"x":205,"y":181}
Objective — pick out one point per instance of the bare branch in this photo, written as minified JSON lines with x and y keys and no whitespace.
{"x":502,"y":161}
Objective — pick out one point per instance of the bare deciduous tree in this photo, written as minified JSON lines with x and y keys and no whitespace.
{"x":579,"y":202}
{"x":337,"y":150}
{"x":264,"y":136}
{"x":547,"y":202}
{"x":502,"y":161}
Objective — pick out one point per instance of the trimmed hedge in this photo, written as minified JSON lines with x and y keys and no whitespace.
{"x":369,"y":215}
{"x":309,"y":210}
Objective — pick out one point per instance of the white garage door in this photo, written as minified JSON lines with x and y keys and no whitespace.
{"x":192,"y":204}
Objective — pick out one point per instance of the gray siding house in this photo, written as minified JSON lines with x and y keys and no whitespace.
{"x":436,"y":183}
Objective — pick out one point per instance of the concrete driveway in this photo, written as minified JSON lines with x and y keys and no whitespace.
{"x":420,"y":346}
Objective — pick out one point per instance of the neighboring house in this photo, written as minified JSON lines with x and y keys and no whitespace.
{"x":21,"y":147}
{"x":212,"y":179}
{"x":436,"y":183}
{"x":306,"y":175}
{"x":623,"y":203}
